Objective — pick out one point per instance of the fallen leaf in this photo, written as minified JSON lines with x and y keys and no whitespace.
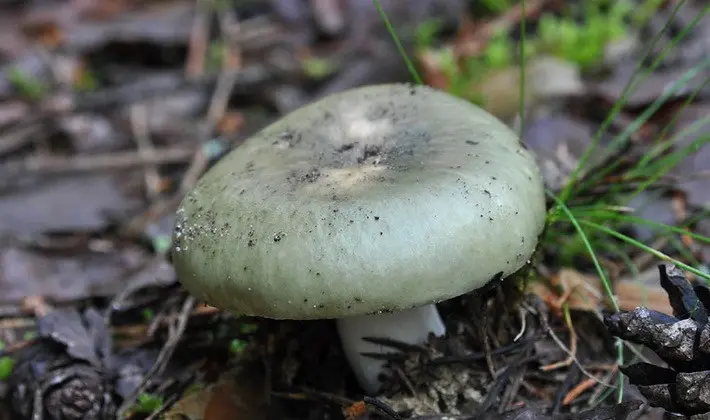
{"x":652,"y":206}
{"x":589,"y":293}
{"x":646,"y":89}
{"x":547,"y":78}
{"x":585,"y":290}
{"x":697,"y":164}
{"x":78,"y":203}
{"x":559,"y":142}
{"x":83,"y":274}
{"x":234,"y":396}
{"x":163,"y":23}
{"x":633,"y":294}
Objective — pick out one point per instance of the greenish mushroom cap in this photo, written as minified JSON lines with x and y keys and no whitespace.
{"x":375,"y":199}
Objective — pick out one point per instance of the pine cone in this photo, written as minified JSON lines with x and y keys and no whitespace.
{"x":681,"y":340}
{"x":62,"y":376}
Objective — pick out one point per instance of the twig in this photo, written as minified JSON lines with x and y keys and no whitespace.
{"x":600,"y":389}
{"x":220,"y":97}
{"x":538,"y":308}
{"x":382,"y":407}
{"x":18,"y":138}
{"x":231,"y":65}
{"x":139,"y":125}
{"x":578,"y":390}
{"x":475,"y":357}
{"x":175,"y":333}
{"x":314,"y":396}
{"x":53,"y":165}
{"x":199,"y":40}
{"x":487,"y":345}
{"x":572,"y":346}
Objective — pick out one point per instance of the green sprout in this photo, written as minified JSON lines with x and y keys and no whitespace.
{"x":148,"y":314}
{"x":426,"y":33}
{"x":318,"y":68}
{"x":25,"y":85}
{"x":500,"y":51}
{"x":87,"y":81}
{"x":148,"y":403}
{"x":162,"y":244}
{"x":497,"y":6}
{"x":7,"y":365}
{"x":237,"y":346}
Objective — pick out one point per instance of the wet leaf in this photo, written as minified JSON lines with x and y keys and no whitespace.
{"x":653,"y":206}
{"x":70,"y":203}
{"x":233,"y":396}
{"x":63,"y":373}
{"x":162,"y":23}
{"x":559,"y":142}
{"x":67,"y":327}
{"x":697,"y":163}
{"x":84,"y":274}
{"x":647,"y":91}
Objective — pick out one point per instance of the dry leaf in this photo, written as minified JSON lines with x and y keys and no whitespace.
{"x":587,"y":292}
{"x":234,"y":396}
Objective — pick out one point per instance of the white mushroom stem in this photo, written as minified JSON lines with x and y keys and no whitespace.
{"x":410,"y":326}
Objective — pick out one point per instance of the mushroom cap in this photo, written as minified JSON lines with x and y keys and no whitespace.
{"x":371,"y":200}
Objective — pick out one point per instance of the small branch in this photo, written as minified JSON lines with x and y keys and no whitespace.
{"x":54,"y":165}
{"x":199,"y":40}
{"x":139,"y":125}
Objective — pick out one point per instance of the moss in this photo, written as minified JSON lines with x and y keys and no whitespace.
{"x":579,"y":35}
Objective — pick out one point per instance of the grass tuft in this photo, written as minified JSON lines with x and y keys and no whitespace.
{"x":599,"y":227}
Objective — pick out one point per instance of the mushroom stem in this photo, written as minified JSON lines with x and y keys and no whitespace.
{"x":410,"y":326}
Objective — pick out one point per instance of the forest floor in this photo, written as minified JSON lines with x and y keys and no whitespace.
{"x":111,"y":111}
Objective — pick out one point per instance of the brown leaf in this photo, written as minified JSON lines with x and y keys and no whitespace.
{"x":63,"y":204}
{"x":83,"y":274}
{"x":237,"y":397}
{"x":589,"y":293}
{"x":585,"y":293}
{"x":634,"y":294}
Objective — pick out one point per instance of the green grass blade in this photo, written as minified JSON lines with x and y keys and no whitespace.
{"x":588,"y":245}
{"x":644,"y":247}
{"x":602,"y":275}
{"x":669,"y":163}
{"x":569,"y":188}
{"x":400,"y":47}
{"x":522,"y":70}
{"x":650,"y":223}
{"x":641,"y":119}
{"x":641,"y":167}
{"x":662,"y":147}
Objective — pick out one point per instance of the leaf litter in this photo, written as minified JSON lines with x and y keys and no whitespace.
{"x":110,"y":111}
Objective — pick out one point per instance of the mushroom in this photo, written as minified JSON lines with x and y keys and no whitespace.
{"x":368,"y":206}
